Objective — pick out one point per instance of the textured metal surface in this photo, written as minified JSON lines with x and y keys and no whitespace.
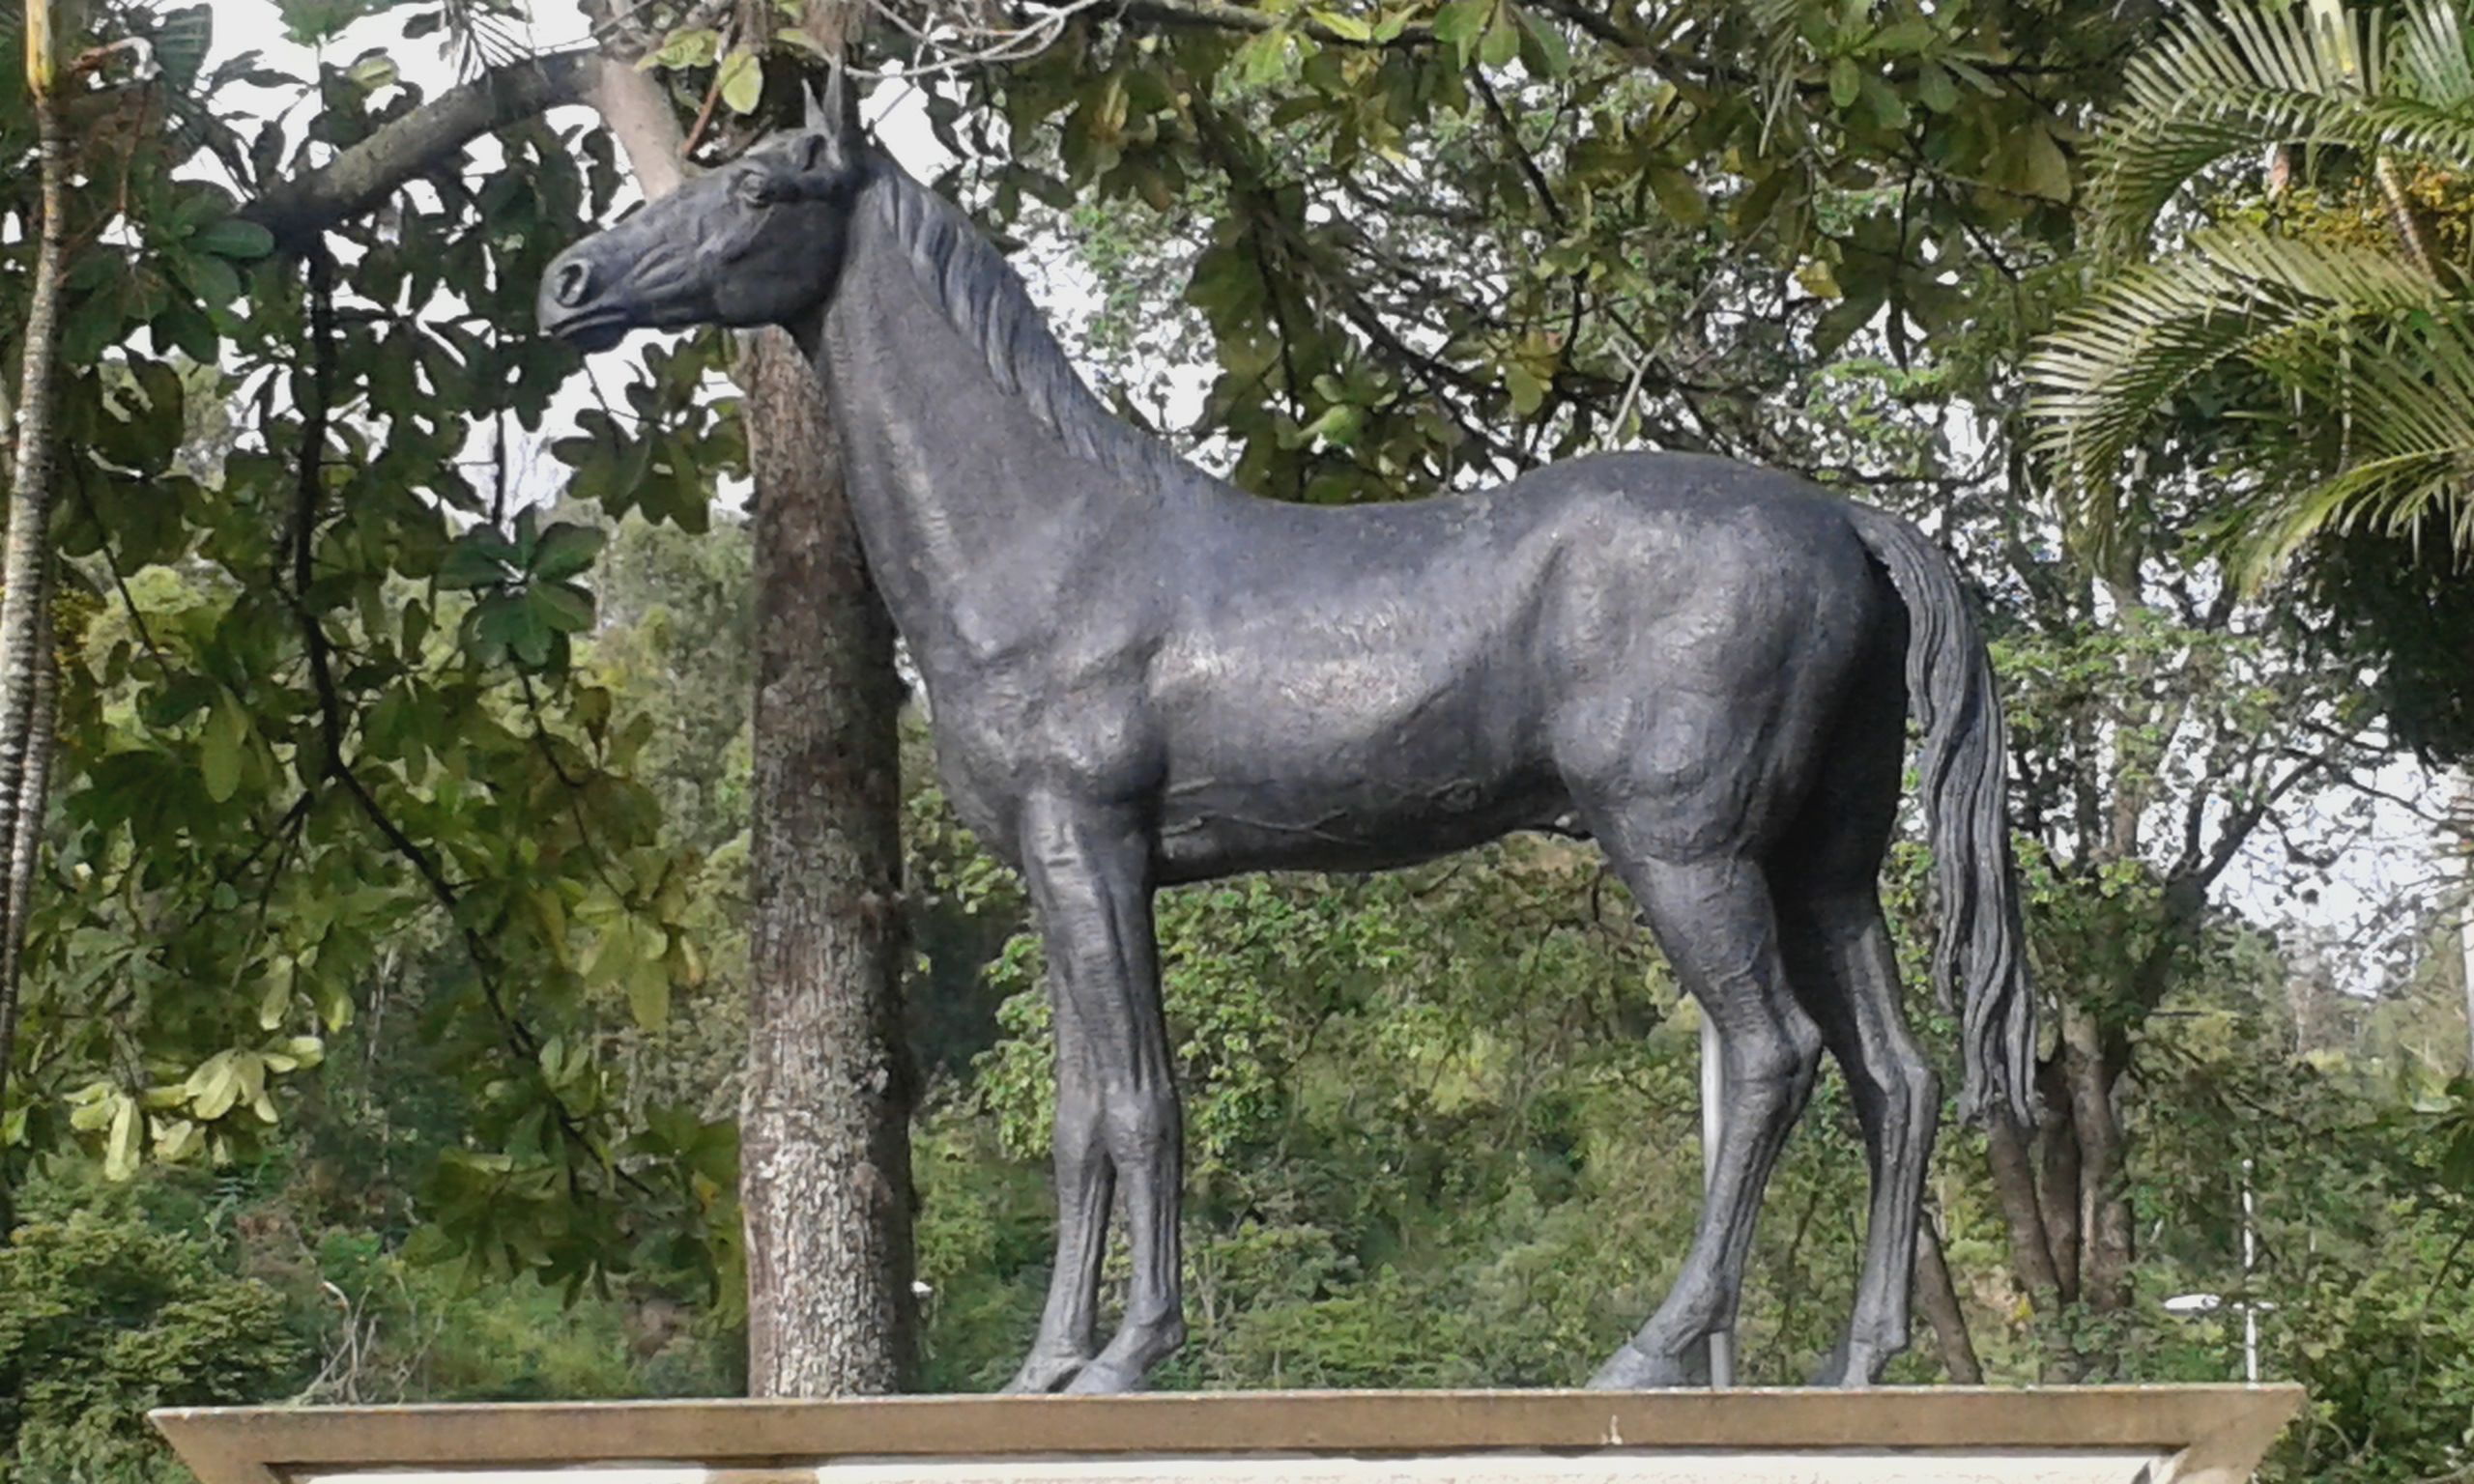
{"x":1141,"y":676}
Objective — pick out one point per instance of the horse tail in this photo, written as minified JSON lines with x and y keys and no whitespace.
{"x":1980,"y":961}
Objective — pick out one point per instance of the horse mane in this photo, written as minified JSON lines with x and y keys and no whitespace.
{"x":985,"y":299}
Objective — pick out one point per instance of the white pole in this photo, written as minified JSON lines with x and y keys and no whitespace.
{"x":2250,"y":1305}
{"x":1714,"y":1096}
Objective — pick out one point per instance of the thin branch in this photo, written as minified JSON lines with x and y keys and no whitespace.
{"x":299,"y":209}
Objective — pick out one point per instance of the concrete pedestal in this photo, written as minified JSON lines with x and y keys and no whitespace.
{"x":2094,"y":1434}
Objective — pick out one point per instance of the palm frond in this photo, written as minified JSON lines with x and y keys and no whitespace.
{"x":2115,"y":362}
{"x":2263,"y":73}
{"x":2429,"y":59}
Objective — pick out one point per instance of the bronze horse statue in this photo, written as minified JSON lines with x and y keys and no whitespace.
{"x":1142,"y":676}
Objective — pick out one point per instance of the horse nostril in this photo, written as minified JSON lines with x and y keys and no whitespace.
{"x":573,"y":282}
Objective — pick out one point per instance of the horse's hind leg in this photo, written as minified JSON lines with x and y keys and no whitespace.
{"x":1846,"y":976}
{"x":1713,"y":917}
{"x":1116,"y":1109}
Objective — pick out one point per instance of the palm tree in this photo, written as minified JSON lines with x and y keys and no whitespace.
{"x":2332,"y":313}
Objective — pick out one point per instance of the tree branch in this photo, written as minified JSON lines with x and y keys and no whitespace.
{"x":300,"y":207}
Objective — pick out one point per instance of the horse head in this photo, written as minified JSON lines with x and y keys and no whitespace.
{"x":757,"y":242}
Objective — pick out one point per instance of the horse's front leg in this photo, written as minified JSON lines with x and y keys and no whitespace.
{"x":1088,"y":869}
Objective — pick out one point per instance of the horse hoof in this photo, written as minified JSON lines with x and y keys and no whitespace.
{"x":1041,"y":1374}
{"x":1632,"y":1369}
{"x":1102,"y":1379}
{"x":1850,"y":1367}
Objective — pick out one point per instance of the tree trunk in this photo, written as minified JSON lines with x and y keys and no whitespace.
{"x":1939,"y":1298}
{"x":825,"y":1123}
{"x":825,"y":1138}
{"x":33,"y":794}
{"x":28,"y":552}
{"x":2103,"y":1181}
{"x":2057,"y":1177}
{"x":2023,"y":1216}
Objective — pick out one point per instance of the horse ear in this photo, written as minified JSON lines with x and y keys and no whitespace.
{"x":835,"y":102}
{"x":829,"y":118}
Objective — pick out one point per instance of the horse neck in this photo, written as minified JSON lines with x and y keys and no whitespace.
{"x":973,"y":511}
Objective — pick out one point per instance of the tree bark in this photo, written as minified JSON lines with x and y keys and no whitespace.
{"x":28,"y":551}
{"x":33,"y":794}
{"x":2058,"y":1178}
{"x":824,"y":1124}
{"x":824,"y":1135}
{"x":2105,"y":1214}
{"x":1939,"y":1298}
{"x":2022,"y":1216}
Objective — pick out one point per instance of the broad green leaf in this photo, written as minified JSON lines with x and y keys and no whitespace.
{"x":1462,"y":23}
{"x":1933,"y":88}
{"x":1262,"y":59}
{"x":1681,"y":197}
{"x":213,"y":1087}
{"x":1552,"y":56}
{"x":648,"y":993}
{"x":1528,"y":392}
{"x":566,"y":549}
{"x":742,"y":80}
{"x":372,"y":71}
{"x":2048,"y":168}
{"x":1503,"y":39}
{"x":561,"y":606}
{"x":227,"y":732}
{"x":1345,"y":25}
{"x":211,"y":276}
{"x":121,"y":1149}
{"x":1846,"y":82}
{"x":480,"y":560}
{"x":233,"y":238}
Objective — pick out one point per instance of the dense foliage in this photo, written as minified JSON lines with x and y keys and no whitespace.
{"x":385,"y":1007}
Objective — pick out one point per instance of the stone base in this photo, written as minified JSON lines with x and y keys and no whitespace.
{"x":2092,"y":1435}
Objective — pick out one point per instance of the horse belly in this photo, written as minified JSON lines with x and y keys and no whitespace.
{"x":1349,"y":768}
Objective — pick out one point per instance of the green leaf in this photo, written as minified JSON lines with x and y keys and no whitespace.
{"x":1846,"y":82}
{"x":211,"y":276}
{"x":742,"y":80}
{"x":1545,"y":50}
{"x":121,"y":1148}
{"x":1681,"y":197}
{"x":562,"y":606}
{"x":233,"y":238}
{"x":1528,"y":392}
{"x":213,"y":1087}
{"x":371,"y":70}
{"x":227,"y":731}
{"x":1262,"y":59}
{"x":566,"y":549}
{"x":694,"y":48}
{"x":1933,"y":88}
{"x":648,"y":993}
{"x":1503,"y":39}
{"x":1462,"y":23}
{"x":275,"y":1004}
{"x":1888,"y":109}
{"x":1343,"y":25}
{"x":2048,"y":168}
{"x":480,"y":560}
